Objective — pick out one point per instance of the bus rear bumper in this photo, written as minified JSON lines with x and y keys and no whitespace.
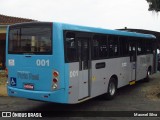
{"x":55,"y":96}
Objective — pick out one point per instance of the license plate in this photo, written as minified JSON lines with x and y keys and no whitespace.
{"x":29,"y":86}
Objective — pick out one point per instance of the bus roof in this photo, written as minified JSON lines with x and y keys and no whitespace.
{"x":103,"y":31}
{"x":72,"y":27}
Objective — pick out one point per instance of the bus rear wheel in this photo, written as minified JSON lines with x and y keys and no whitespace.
{"x":112,"y":89}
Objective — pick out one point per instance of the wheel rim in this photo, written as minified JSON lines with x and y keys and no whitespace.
{"x":112,"y":88}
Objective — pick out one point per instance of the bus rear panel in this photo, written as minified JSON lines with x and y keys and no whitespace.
{"x":35,"y":67}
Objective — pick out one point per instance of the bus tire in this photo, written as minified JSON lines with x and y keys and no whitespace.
{"x":148,"y":75}
{"x":112,"y":89}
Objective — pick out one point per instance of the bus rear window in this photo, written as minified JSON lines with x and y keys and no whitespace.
{"x":30,"y":40}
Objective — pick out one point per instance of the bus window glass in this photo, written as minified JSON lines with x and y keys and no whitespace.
{"x":149,"y":46}
{"x":71,"y":47}
{"x":140,"y":46}
{"x":95,"y":53}
{"x":30,"y":40}
{"x":132,"y":49}
{"x":124,"y":46}
{"x":113,"y":46}
{"x":100,"y":49}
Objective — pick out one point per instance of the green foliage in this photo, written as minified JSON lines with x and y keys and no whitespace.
{"x":154,"y":5}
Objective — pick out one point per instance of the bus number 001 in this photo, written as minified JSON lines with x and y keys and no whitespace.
{"x":73,"y":74}
{"x":42,"y":62}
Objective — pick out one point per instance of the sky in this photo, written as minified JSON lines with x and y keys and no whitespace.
{"x":109,"y":14}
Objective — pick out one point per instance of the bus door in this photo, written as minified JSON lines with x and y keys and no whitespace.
{"x":83,"y":53}
{"x":133,"y":59}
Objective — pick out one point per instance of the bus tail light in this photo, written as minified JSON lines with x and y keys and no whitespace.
{"x":54,"y":86}
{"x":55,"y":74}
{"x":55,"y":80}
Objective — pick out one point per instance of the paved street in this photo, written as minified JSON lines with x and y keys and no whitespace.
{"x":141,"y":97}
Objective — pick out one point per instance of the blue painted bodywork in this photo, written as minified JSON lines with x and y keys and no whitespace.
{"x":24,"y":67}
{"x":43,"y":82}
{"x":104,"y":31}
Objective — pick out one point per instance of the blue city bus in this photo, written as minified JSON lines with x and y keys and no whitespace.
{"x":65,"y":63}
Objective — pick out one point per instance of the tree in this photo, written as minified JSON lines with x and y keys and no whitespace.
{"x":154,"y":5}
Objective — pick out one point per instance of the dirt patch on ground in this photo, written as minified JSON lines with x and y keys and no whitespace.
{"x":2,"y":77}
{"x":152,"y":90}
{"x":3,"y":90}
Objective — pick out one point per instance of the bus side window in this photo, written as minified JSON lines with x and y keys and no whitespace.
{"x":149,"y":48}
{"x":124,"y":46}
{"x":70,"y":47}
{"x":113,"y":46}
{"x":100,"y":49}
{"x":140,"y":47}
{"x":95,"y":49}
{"x":132,"y":49}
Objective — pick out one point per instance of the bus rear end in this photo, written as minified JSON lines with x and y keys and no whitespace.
{"x":31,"y":63}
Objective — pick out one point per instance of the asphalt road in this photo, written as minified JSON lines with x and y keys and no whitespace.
{"x":143,"y":96}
